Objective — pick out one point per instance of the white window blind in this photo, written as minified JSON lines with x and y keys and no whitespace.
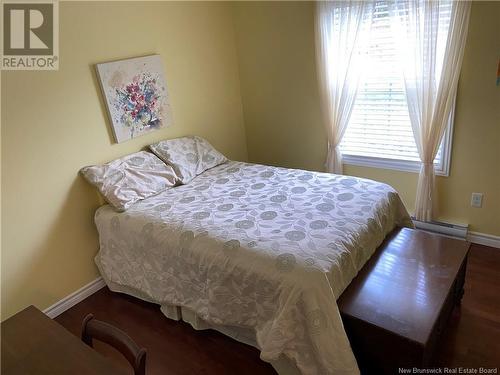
{"x":379,"y":131}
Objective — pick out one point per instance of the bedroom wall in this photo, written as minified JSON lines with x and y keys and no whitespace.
{"x":55,"y":122}
{"x":275,"y":43}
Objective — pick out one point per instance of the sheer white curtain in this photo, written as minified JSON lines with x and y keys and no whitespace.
{"x":340,"y":39}
{"x":431,"y":38}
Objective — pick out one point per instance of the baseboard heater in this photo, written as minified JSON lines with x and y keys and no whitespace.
{"x":447,"y":229}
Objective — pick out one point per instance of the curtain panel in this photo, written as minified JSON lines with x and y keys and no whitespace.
{"x":341,"y":37}
{"x":431,"y":39}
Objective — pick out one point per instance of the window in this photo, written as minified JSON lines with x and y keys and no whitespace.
{"x":379,"y":133}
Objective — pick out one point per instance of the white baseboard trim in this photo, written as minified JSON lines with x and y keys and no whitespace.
{"x":484,"y":239}
{"x":75,"y":297}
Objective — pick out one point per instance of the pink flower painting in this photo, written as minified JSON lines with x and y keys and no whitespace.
{"x":136,"y":96}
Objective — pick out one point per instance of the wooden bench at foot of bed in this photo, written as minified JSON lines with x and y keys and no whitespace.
{"x":396,"y":309}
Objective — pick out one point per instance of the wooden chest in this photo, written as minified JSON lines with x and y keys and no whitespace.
{"x":395,"y":310}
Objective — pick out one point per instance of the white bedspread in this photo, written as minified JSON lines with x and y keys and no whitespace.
{"x":264,"y":248}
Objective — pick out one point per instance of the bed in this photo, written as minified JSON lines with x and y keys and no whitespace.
{"x":259,"y":253}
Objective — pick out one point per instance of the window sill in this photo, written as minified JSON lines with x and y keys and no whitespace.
{"x":397,"y":165}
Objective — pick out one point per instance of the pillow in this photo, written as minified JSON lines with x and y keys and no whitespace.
{"x":189,"y":156}
{"x":131,"y":178}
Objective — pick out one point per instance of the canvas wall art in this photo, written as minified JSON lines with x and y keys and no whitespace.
{"x":136,"y":96}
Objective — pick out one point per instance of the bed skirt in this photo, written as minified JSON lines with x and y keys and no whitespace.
{"x":282,"y":365}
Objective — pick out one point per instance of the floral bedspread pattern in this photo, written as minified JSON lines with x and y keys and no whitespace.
{"x":259,"y":247}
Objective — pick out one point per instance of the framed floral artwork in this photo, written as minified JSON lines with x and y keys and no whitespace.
{"x":136,"y":96}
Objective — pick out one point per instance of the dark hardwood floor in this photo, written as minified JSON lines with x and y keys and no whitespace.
{"x":473,"y":335}
{"x":472,"y":338}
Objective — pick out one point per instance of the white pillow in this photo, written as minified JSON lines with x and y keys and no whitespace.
{"x":189,"y":156}
{"x":131,"y":178}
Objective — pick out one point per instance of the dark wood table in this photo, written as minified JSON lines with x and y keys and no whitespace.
{"x":396,"y":309}
{"x":33,"y":344}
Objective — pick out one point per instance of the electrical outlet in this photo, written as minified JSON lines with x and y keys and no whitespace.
{"x":476,"y":200}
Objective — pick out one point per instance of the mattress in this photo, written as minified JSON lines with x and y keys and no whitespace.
{"x":256,"y":248}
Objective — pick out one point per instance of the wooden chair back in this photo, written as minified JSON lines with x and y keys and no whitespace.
{"x":105,"y":332}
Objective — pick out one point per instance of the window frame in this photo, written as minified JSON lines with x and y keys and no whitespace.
{"x":441,"y":169}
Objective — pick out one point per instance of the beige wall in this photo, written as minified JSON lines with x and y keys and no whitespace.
{"x":282,"y":116}
{"x":53,"y":123}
